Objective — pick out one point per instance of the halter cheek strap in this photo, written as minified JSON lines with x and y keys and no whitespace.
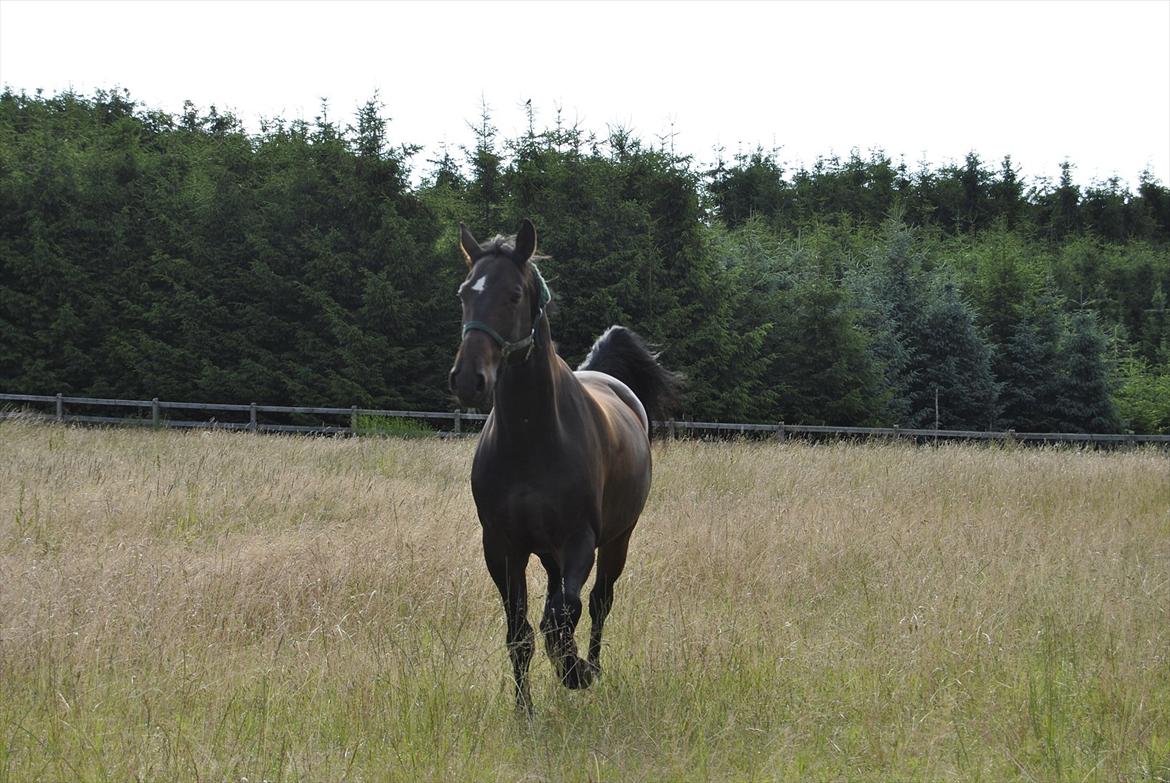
{"x":508,"y":347}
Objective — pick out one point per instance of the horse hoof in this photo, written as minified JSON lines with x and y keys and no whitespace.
{"x":581,"y":675}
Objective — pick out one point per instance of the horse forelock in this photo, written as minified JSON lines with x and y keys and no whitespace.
{"x":505,"y":245}
{"x":500,"y":245}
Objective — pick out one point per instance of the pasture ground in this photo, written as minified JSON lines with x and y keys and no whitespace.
{"x":207,"y":606}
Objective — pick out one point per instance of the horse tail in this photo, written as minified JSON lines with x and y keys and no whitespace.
{"x":626,"y":356}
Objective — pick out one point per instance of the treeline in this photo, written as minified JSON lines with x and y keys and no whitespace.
{"x":144,"y":253}
{"x":955,"y":199}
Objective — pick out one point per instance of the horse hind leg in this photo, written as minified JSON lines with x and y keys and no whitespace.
{"x":548,"y":621}
{"x":611,"y":560}
{"x":562,"y":612}
{"x":507,"y":569}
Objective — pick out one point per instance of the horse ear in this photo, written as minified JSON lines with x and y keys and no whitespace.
{"x":471,"y":249}
{"x":525,"y":242}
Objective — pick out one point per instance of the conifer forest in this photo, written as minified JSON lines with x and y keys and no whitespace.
{"x":184,"y":256}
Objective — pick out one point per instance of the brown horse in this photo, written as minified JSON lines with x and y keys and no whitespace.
{"x":562,"y":469}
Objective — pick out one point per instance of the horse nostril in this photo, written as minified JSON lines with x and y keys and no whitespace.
{"x":479,"y":382}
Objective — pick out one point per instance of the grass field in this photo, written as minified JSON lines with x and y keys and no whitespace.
{"x":228,"y":607}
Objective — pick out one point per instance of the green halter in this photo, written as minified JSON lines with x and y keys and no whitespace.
{"x":507,"y":347}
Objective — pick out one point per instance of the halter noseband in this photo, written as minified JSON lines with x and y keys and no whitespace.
{"x":508,"y":347}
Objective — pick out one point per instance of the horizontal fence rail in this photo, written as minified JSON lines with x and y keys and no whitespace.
{"x":457,"y":419}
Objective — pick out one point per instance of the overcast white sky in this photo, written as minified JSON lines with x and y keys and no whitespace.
{"x":1043,"y":81}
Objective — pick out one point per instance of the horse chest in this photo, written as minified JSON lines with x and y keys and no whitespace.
{"x":535,"y":496}
{"x":535,"y":501}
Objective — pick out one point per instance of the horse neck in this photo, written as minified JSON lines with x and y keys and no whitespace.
{"x":526,"y":393}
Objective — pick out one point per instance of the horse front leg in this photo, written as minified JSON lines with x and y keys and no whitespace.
{"x":507,"y":568}
{"x":562,"y":612}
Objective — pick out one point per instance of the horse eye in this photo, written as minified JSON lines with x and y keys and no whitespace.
{"x":516,"y":297}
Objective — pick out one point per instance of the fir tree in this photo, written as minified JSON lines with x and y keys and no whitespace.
{"x":1029,"y":369}
{"x":1085,"y":401}
{"x":954,"y":368}
{"x":826,"y":374}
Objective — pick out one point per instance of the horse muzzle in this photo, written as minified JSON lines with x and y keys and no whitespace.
{"x":472,"y":381}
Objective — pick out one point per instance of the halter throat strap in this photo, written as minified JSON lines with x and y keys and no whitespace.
{"x":509,"y":347}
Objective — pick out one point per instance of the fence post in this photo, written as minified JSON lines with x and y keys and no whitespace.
{"x":252,"y":417}
{"x":353,"y":427}
{"x":458,"y":422}
{"x":154,"y":412}
{"x":60,"y":407}
{"x":781,"y":435}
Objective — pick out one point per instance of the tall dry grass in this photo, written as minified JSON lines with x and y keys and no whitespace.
{"x":213,"y":606}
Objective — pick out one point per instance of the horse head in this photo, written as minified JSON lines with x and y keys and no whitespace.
{"x":503,"y":299}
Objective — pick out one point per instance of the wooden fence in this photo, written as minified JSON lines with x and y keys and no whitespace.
{"x":153,"y":413}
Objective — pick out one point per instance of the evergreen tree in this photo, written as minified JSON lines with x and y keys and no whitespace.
{"x":754,"y":186}
{"x":1143,"y":399}
{"x":974,"y":212}
{"x":825,"y":372}
{"x":1006,"y":195}
{"x":890,"y":288}
{"x":954,"y":368}
{"x":1155,"y":341}
{"x":485,"y":190}
{"x":1105,"y":211}
{"x":1058,"y":209}
{"x":758,"y":283}
{"x":1029,"y":368}
{"x":1153,"y":207}
{"x":1085,"y":400}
